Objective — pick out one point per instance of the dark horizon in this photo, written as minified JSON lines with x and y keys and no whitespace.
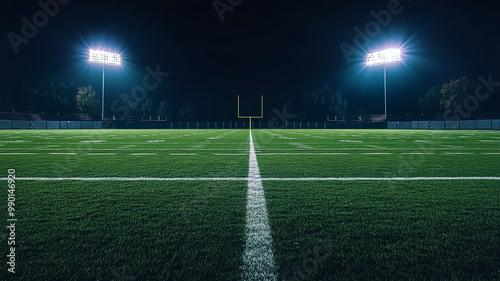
{"x":277,"y":49}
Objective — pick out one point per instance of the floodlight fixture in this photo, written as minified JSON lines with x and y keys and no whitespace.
{"x":104,"y":58}
{"x":384,"y":57}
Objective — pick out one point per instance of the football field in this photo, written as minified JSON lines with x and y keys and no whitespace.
{"x":259,"y":205}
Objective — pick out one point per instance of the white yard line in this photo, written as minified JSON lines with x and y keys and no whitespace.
{"x":258,"y":259}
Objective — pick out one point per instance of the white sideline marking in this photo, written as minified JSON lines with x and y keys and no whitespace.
{"x":70,"y":153}
{"x":143,"y":154}
{"x":100,"y":154}
{"x":228,"y":154}
{"x":258,"y":260}
{"x":377,"y":153}
{"x":458,"y":153}
{"x":419,"y":153}
{"x":183,"y":154}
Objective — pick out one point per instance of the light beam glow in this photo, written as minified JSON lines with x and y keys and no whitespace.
{"x":102,"y":57}
{"x":383,"y":57}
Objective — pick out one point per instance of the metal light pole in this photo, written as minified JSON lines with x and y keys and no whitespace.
{"x":104,"y":58}
{"x":102,"y":103}
{"x":383,"y":58}
{"x":385,"y":91}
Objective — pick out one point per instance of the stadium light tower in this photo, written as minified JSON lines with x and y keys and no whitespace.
{"x":383,"y":58}
{"x":104,"y":58}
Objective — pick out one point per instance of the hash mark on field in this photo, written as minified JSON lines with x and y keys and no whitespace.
{"x":17,"y":153}
{"x":258,"y":260}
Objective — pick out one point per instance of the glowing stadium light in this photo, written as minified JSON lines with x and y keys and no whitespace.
{"x":384,"y":57}
{"x":102,"y":57}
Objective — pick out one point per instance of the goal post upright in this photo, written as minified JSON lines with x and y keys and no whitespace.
{"x":250,"y":117}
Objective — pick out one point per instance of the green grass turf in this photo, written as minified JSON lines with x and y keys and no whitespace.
{"x":142,"y":230}
{"x":437,"y":230}
{"x":281,"y":153}
{"x":121,"y":144}
{"x":370,"y":230}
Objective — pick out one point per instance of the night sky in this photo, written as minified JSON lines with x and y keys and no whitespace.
{"x":279,"y":49}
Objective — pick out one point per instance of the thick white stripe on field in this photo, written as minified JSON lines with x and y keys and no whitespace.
{"x":258,"y":259}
